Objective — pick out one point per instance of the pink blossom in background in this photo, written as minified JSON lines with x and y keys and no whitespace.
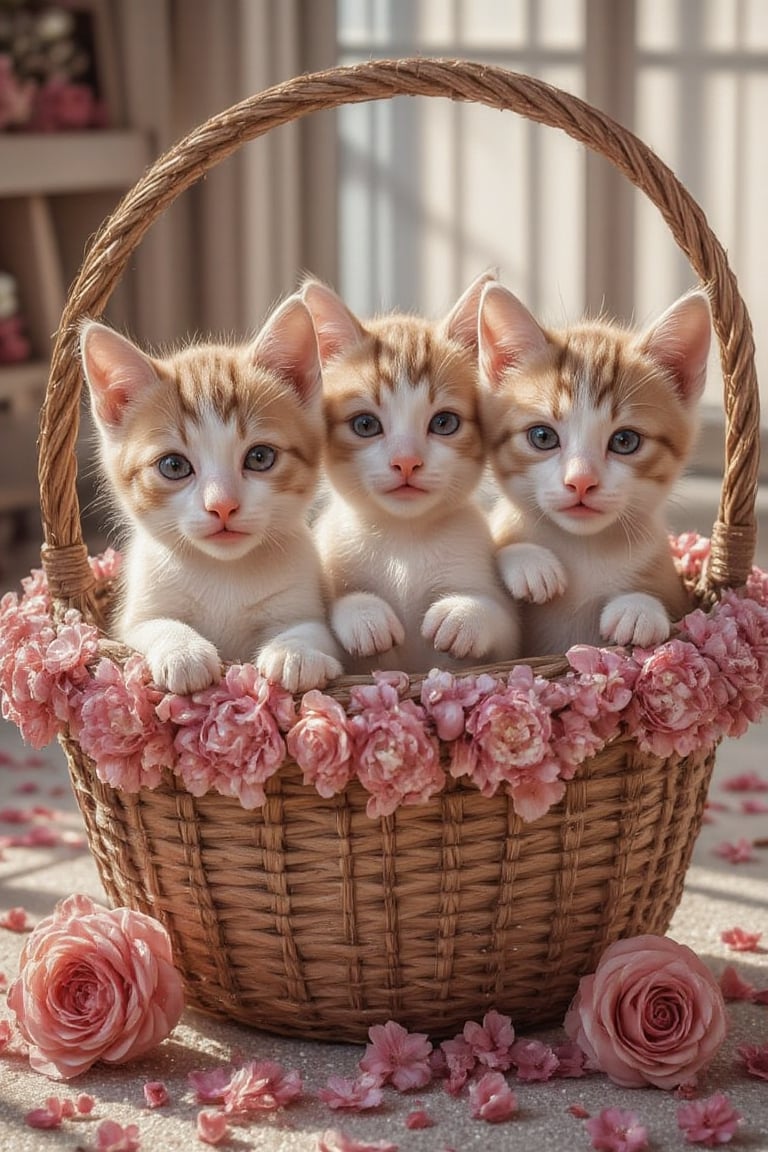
{"x":117,"y":725}
{"x":335,"y":1141}
{"x":6,"y":1034}
{"x":261,"y":1086}
{"x":754,"y":807}
{"x":398,"y":1057}
{"x":755,"y":1059}
{"x":156,"y":1094}
{"x":674,"y":705}
{"x":615,"y":1130}
{"x":446,"y":699}
{"x":112,"y":1137}
{"x":396,"y":759}
{"x":745,"y":782}
{"x":491,"y":1099}
{"x":652,"y":1013}
{"x":691,"y":552}
{"x":736,"y":852}
{"x":212,"y":1127}
{"x":16,"y":920}
{"x":107,"y":565}
{"x":230,"y":735}
{"x":738,"y":940}
{"x":491,"y":1041}
{"x":94,"y":984}
{"x":357,"y":1095}
{"x":321,"y":744}
{"x":534,"y":1060}
{"x":709,"y":1122}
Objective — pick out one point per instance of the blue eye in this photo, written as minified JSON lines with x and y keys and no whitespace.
{"x":366,"y":424}
{"x":625,"y":442}
{"x":543,"y":438}
{"x":174,"y":467}
{"x":260,"y":458}
{"x":444,"y":423}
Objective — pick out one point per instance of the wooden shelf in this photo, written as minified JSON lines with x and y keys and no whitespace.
{"x":50,"y":164}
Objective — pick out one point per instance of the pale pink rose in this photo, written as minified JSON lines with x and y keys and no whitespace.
{"x":616,"y":1130}
{"x":230,"y":735}
{"x":398,"y":1057}
{"x":652,"y":1013}
{"x":447,"y":699}
{"x":212,"y":1127}
{"x":321,"y":744}
{"x":491,"y":1041}
{"x":675,"y":706}
{"x":491,"y":1099}
{"x":363,"y":1092}
{"x":710,"y":1122}
{"x":534,"y":1060}
{"x":118,"y":727}
{"x":396,"y":759}
{"x":261,"y":1086}
{"x":94,"y":984}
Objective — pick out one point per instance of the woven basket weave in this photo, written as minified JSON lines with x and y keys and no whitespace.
{"x":305,"y":917}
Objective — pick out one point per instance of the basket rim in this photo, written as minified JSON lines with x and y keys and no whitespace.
{"x":64,"y":554}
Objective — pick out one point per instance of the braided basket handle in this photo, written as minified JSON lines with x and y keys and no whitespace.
{"x":734,"y":533}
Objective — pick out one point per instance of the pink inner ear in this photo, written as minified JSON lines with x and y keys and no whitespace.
{"x":509,"y":335}
{"x":461,"y":323}
{"x":287,"y":346}
{"x":115,"y":370}
{"x":680,"y":342}
{"x":338,"y":330}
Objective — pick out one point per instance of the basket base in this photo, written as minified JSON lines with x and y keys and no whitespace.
{"x":307,"y":919}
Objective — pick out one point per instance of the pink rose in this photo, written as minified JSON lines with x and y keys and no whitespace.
{"x":94,"y":984}
{"x":321,"y":744}
{"x":652,"y":1013}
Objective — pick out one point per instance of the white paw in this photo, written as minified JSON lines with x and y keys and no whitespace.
{"x":531,"y":572}
{"x":635,"y":619}
{"x":461,"y":626}
{"x":295,"y":666}
{"x":185,"y":669}
{"x":365,"y":625}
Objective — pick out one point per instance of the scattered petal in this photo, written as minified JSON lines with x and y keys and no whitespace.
{"x":579,"y":1111}
{"x":364,"y":1092}
{"x":112,"y":1137}
{"x":335,"y":1141}
{"x":736,"y":852}
{"x":16,"y":920}
{"x":755,"y":1059}
{"x":733,"y":987}
{"x":745,"y":782}
{"x":418,"y":1119}
{"x":49,"y":1116}
{"x":534,"y":1060}
{"x":738,"y":940}
{"x":397,"y":1056}
{"x":85,"y":1104}
{"x":261,"y":1086}
{"x":615,"y":1130}
{"x":710,"y":1122}
{"x":212,"y":1127}
{"x":155,"y":1094}
{"x":491,"y":1099}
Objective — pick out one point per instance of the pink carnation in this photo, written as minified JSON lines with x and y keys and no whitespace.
{"x":321,"y":744}
{"x":509,"y":746}
{"x":597,"y":694}
{"x":691,"y":553}
{"x":94,"y":984}
{"x":674,"y":704}
{"x":734,"y":637}
{"x":396,"y":759}
{"x":118,"y":726}
{"x":652,"y":1013}
{"x":396,"y":1056}
{"x":446,"y":699}
{"x":710,"y":1122}
{"x":491,"y":1099}
{"x":229,"y":736}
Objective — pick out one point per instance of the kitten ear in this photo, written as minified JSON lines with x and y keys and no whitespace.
{"x":679,"y":341}
{"x":287,"y":346}
{"x":508,"y":334}
{"x":337,"y":328}
{"x":115,"y":370}
{"x":461,"y":322}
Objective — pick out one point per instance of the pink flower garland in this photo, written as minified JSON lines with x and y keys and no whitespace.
{"x":521,"y":734}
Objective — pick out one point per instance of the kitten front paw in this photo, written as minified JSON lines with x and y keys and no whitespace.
{"x":365,"y":625}
{"x":296,"y":667}
{"x":635,"y":619}
{"x":461,"y":626}
{"x":531,"y":572}
{"x":187,"y":669}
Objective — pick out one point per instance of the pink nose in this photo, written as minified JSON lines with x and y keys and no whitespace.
{"x":221,"y":504}
{"x":406,"y":464}
{"x":581,"y":481}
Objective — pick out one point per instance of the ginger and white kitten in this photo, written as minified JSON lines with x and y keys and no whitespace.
{"x":588,"y":429}
{"x":409,"y":555}
{"x":211,"y":456}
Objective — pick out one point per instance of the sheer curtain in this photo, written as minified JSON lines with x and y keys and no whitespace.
{"x":239,"y":239}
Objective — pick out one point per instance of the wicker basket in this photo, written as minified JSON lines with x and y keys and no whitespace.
{"x":305,"y":917}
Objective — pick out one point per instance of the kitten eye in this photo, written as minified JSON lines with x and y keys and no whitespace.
{"x":444,"y":423}
{"x":543,"y":437}
{"x":366,"y":424}
{"x":624,"y":442}
{"x":260,"y":458}
{"x":174,"y":467}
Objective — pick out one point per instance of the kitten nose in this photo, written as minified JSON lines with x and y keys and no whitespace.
{"x":221,"y":504}
{"x":406,"y":463}
{"x":581,"y":479}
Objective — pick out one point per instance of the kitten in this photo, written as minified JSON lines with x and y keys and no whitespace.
{"x":588,"y":429}
{"x":409,"y":555}
{"x":211,"y":455}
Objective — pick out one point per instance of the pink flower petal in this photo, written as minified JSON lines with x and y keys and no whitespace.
{"x":736,"y":852}
{"x":755,"y":1059}
{"x":738,"y":940}
{"x":615,"y":1130}
{"x":710,"y":1122}
{"x":337,"y":1141}
{"x":112,"y":1137}
{"x":155,"y":1094}
{"x":49,"y":1116}
{"x":16,"y":920}
{"x":212,"y":1127}
{"x":745,"y":782}
{"x":733,"y":987}
{"x":397,"y":1057}
{"x":418,"y":1119}
{"x":491,"y":1099}
{"x":364,"y":1092}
